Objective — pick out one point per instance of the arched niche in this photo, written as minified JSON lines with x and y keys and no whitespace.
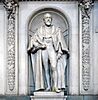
{"x":36,"y":20}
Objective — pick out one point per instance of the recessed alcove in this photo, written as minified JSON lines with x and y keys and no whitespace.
{"x":36,"y":21}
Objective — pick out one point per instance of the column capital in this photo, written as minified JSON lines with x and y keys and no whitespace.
{"x":86,"y":6}
{"x":10,"y":6}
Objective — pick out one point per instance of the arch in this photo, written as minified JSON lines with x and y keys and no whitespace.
{"x":48,"y":9}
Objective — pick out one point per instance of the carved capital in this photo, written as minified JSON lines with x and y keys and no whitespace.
{"x":86,"y":6}
{"x":10,"y":6}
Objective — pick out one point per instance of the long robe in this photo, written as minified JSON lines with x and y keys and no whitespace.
{"x":35,"y":49}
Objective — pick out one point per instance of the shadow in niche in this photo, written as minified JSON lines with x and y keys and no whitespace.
{"x":35,"y":22}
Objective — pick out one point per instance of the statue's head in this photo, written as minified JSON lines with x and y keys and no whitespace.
{"x":47,"y":19}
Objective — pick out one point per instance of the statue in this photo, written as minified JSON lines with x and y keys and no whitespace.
{"x":48,"y":49}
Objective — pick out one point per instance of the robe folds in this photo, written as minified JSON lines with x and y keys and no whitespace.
{"x":35,"y":48}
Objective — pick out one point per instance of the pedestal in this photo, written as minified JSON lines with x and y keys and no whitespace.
{"x":48,"y":96}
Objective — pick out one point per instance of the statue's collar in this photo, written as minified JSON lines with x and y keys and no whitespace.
{"x":52,"y":28}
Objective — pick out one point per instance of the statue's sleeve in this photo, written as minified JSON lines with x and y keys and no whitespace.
{"x":61,"y":42}
{"x":36,"y":42}
{"x":32,"y":42}
{"x":30,"y":46}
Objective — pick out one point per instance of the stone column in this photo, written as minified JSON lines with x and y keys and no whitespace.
{"x":11,"y":48}
{"x":85,"y":47}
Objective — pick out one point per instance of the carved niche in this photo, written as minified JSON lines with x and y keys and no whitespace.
{"x":59,"y":20}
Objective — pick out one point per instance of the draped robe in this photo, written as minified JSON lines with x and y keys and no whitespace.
{"x":35,"y":48}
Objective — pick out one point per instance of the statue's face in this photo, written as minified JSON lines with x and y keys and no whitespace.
{"x":47,"y":19}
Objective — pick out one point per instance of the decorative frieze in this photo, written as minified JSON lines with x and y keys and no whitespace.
{"x":86,"y":6}
{"x":10,"y":6}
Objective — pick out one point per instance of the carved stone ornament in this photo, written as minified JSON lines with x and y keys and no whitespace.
{"x":10,"y":6}
{"x":86,"y":6}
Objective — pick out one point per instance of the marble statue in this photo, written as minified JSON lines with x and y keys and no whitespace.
{"x":49,"y":52}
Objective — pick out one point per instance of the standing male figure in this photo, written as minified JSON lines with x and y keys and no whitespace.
{"x":48,"y":45}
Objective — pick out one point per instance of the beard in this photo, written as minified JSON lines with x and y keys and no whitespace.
{"x":48,"y":23}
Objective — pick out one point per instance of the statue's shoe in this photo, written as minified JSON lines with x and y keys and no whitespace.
{"x":54,"y":89}
{"x":47,"y":89}
{"x":62,"y":89}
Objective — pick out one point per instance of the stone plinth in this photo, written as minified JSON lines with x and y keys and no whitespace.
{"x":48,"y":96}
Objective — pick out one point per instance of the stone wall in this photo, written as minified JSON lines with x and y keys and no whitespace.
{"x":23,"y":15}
